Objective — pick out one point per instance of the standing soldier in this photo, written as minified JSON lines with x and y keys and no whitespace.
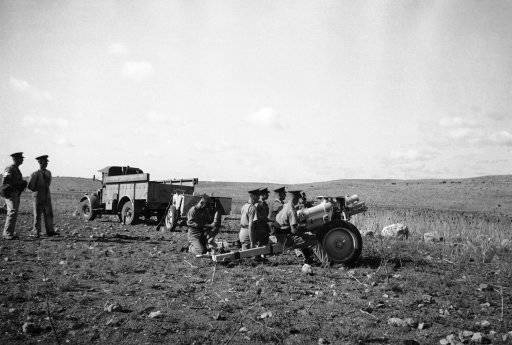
{"x":250,"y":235}
{"x":39,"y":183}
{"x":201,"y":233}
{"x":277,"y":205}
{"x":262,"y":212}
{"x":289,"y":234}
{"x":12,"y":186}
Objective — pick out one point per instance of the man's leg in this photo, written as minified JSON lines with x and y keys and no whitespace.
{"x":195,"y":241}
{"x":48,"y":218}
{"x":13,"y":205}
{"x":38,"y":210}
{"x":244,"y":238}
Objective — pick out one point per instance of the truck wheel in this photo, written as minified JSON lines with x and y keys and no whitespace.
{"x":343,"y":244}
{"x":128,"y":213}
{"x":87,"y":212}
{"x":171,"y":218}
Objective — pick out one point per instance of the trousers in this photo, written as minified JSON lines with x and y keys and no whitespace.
{"x":199,"y":239}
{"x":43,"y":210}
{"x":261,"y":237}
{"x":306,"y":243}
{"x":13,"y":205}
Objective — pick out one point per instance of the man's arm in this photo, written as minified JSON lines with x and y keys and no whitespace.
{"x":191,"y":217}
{"x":251,"y":215}
{"x":32,"y":183}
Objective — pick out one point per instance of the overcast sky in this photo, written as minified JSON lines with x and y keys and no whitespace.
{"x":277,"y":91}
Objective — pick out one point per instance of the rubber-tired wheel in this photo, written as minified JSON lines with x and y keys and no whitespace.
{"x":171,"y":218}
{"x":343,"y":244}
{"x":128,"y":213}
{"x":87,"y":212}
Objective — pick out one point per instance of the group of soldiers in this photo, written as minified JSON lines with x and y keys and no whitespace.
{"x":258,"y":223}
{"x":13,"y":185}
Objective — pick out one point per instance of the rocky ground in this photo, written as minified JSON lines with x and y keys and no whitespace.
{"x":106,"y":283}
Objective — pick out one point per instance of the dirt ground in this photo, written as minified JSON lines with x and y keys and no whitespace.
{"x":103,"y":282}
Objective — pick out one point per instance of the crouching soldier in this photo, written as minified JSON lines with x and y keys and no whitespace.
{"x":201,"y":233}
{"x":39,"y":183}
{"x":289,"y":234}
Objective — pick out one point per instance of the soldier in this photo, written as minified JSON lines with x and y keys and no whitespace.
{"x":201,"y":234}
{"x":39,"y":183}
{"x":289,"y":233}
{"x":262,"y":213}
{"x":12,"y":186}
{"x":250,"y":235}
{"x":277,"y":205}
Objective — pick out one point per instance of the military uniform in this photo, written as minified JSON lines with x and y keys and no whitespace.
{"x":13,"y":184}
{"x":289,"y":235}
{"x":201,"y":234}
{"x":39,"y":183}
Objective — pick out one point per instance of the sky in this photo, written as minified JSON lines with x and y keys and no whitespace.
{"x":268,"y":91}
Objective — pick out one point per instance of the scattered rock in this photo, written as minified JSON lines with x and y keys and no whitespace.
{"x":155,"y":314}
{"x":30,"y":328}
{"x":242,"y":329}
{"x":323,"y":341}
{"x":427,"y":299}
{"x":12,"y":310}
{"x":465,"y":334}
{"x":423,"y":325}
{"x":266,"y":315}
{"x":477,"y":338}
{"x":368,"y":233}
{"x":307,"y":269}
{"x":485,"y":287}
{"x":112,"y":307}
{"x":398,"y":230}
{"x":218,"y":317}
{"x":397,"y":322}
{"x":484,"y":324}
{"x":433,"y":236}
{"x":411,"y":322}
{"x":113,"y":322}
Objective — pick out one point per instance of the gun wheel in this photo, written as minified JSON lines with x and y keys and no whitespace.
{"x":343,"y":245}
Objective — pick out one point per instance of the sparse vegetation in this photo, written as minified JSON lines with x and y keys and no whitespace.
{"x":64,"y":285}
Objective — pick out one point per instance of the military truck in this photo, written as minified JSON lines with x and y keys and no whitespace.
{"x":128,"y":193}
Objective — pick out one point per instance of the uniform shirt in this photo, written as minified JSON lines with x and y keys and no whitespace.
{"x":262,"y":211}
{"x":287,"y":216}
{"x":198,"y":217}
{"x":277,"y":205}
{"x":248,"y":214}
{"x":13,"y":178}
{"x":39,"y":183}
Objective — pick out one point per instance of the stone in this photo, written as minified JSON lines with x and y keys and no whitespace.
{"x":466,"y":334}
{"x":485,"y":324}
{"x":368,"y":233}
{"x":444,"y":342}
{"x":477,"y":338}
{"x":266,"y":315}
{"x":398,"y":230}
{"x":307,"y":269}
{"x":433,"y":236}
{"x":323,"y":341}
{"x":411,"y":322}
{"x":111,"y":307}
{"x":30,"y":328}
{"x":397,"y":322}
{"x":155,"y":314}
{"x":423,"y":325}
{"x":242,"y":329}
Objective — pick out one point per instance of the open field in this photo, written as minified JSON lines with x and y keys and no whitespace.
{"x":65,"y":285}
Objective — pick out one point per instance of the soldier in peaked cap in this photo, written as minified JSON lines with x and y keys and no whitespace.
{"x":12,"y":186}
{"x":262,"y":213}
{"x":250,"y":234}
{"x":201,"y":233}
{"x":39,"y":184}
{"x":277,"y":204}
{"x":289,"y":233}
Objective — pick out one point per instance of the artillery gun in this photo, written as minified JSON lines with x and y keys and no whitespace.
{"x":338,"y":240}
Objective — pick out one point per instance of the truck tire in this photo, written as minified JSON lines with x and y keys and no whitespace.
{"x":171,"y":218}
{"x":87,"y":212}
{"x":343,"y":244}
{"x":128,"y":213}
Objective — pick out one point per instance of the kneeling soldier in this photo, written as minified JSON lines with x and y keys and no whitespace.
{"x":289,"y":234}
{"x":39,"y":183}
{"x":201,"y":233}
